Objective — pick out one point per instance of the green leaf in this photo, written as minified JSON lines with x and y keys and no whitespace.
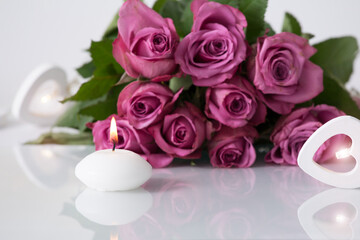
{"x":180,"y":13}
{"x":71,"y":118}
{"x":269,"y":30}
{"x":158,"y":5}
{"x":176,"y":83}
{"x":83,"y":138}
{"x":308,"y":36}
{"x":86,"y":70}
{"x":254,"y":11}
{"x":93,"y":89}
{"x":125,"y":78}
{"x":112,"y":30}
{"x":101,"y":110}
{"x":187,"y":18}
{"x":233,"y":3}
{"x":107,"y":72}
{"x":336,"y":95}
{"x":291,"y":25}
{"x":101,"y":53}
{"x":336,"y":57}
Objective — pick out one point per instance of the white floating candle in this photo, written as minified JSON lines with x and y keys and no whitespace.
{"x":113,"y":170}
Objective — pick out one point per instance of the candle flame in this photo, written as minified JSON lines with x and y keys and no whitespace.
{"x":113,"y":132}
{"x":344,"y":153}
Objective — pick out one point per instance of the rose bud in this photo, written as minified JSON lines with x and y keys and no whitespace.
{"x":233,"y":147}
{"x":282,"y":72}
{"x":146,"y":41}
{"x":233,"y":103}
{"x":292,"y":131}
{"x":129,"y":138}
{"x":212,"y":52}
{"x":182,"y":132}
{"x":145,"y":103}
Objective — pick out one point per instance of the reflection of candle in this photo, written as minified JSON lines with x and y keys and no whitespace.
{"x":114,"y":236}
{"x":113,"y":208}
{"x":113,"y":169}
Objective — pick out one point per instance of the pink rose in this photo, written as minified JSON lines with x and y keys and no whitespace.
{"x":212,"y":52}
{"x":181,"y":133}
{"x":281,"y":71}
{"x":138,"y":141}
{"x":233,"y":147}
{"x":233,"y":103}
{"x":145,"y":103}
{"x":292,"y":131}
{"x":146,"y":41}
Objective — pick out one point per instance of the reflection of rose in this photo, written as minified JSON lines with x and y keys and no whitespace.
{"x":179,"y":201}
{"x":233,"y":182}
{"x":292,"y":186}
{"x":146,"y":227}
{"x":230,"y":224}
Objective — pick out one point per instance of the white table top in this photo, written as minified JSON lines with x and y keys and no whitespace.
{"x":42,"y":199}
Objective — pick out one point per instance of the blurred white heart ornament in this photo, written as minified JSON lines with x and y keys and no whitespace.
{"x":37,"y":100}
{"x":347,"y":125}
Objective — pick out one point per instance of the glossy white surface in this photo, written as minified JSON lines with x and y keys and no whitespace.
{"x":41,"y":199}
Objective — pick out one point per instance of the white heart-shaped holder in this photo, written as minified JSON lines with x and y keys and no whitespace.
{"x":347,"y":125}
{"x":340,"y":221}
{"x":37,"y":100}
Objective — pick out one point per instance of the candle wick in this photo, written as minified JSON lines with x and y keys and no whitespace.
{"x":113,"y":145}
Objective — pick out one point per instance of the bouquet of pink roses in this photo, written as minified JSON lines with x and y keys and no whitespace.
{"x":185,"y":77}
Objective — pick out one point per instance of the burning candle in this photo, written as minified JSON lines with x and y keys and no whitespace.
{"x":113,"y":169}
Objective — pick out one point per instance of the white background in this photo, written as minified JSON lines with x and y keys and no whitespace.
{"x":51,"y":31}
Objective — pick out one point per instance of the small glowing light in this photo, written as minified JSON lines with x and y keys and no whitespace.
{"x":114,"y":236}
{"x":47,"y":153}
{"x":113,"y":131}
{"x":344,"y":153}
{"x":45,"y":99}
{"x":340,"y":218}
